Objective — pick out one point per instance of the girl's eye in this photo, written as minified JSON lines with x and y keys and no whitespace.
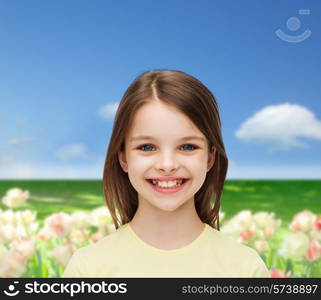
{"x":147,"y":145}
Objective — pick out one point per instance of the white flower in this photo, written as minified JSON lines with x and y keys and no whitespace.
{"x":20,"y":231}
{"x":3,"y":253}
{"x":32,"y":228}
{"x":62,"y":254}
{"x":267,"y":224}
{"x":100,"y":215}
{"x":7,"y":217}
{"x":17,"y":224}
{"x":233,"y":229}
{"x":245,"y":227}
{"x":28,"y":217}
{"x":295,"y":246}
{"x":15,"y":197}
{"x":25,"y":246}
{"x":79,"y":235}
{"x":244,"y":218}
{"x":242,"y":222}
{"x":13,"y":264}
{"x":81,"y":219}
{"x":263,"y":218}
{"x":303,"y":221}
{"x":261,"y":246}
{"x":102,"y":219}
{"x":316,"y":235}
{"x":44,"y":234}
{"x":7,"y":233}
{"x":59,"y":224}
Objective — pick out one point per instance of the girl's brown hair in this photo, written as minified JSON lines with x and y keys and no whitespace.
{"x":191,"y":97}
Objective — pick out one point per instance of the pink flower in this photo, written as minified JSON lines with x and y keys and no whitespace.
{"x":44,"y":234}
{"x":97,"y":236}
{"x":318,"y":223}
{"x":276,"y":273}
{"x":314,"y":251}
{"x":247,"y":234}
{"x":13,"y":265}
{"x":59,"y":224}
{"x":25,"y":246}
{"x":62,"y":254}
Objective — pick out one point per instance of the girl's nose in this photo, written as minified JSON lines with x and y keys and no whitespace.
{"x":167,"y":163}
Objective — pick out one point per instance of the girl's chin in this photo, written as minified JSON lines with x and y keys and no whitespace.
{"x":167,"y":207}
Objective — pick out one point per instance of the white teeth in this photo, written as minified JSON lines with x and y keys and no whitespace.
{"x":168,"y":183}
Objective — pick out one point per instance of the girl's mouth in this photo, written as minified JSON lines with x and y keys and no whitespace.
{"x":168,"y":190}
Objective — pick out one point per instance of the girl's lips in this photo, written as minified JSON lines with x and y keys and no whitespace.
{"x":167,"y":190}
{"x":167,"y":178}
{"x":151,"y":180}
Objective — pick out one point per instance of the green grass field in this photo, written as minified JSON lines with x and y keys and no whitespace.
{"x":284,"y":197}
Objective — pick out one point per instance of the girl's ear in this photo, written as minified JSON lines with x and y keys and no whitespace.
{"x":211,"y":158}
{"x":122,"y":161}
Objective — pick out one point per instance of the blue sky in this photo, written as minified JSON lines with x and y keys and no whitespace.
{"x":64,"y":66}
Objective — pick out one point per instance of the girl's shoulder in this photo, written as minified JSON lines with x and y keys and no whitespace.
{"x":235,"y":255}
{"x":85,"y":260}
{"x":106,"y":244}
{"x":221,"y":242}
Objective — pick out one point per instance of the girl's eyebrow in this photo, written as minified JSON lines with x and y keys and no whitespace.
{"x":146,"y":137}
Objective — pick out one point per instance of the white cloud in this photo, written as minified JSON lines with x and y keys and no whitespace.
{"x":281,"y":126}
{"x":20,"y":141}
{"x":73,"y":151}
{"x":108,"y":111}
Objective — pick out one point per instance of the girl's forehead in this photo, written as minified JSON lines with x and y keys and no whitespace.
{"x":156,"y":115}
{"x":163,"y":133}
{"x":161,"y":122}
{"x":182,"y":138}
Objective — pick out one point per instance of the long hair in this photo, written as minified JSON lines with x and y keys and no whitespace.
{"x":189,"y":96}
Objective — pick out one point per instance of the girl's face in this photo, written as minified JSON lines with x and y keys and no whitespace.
{"x":164,"y":154}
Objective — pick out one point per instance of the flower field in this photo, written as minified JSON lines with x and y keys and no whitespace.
{"x":41,"y":225}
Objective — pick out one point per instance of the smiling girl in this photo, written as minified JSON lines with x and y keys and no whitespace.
{"x":165,"y":163}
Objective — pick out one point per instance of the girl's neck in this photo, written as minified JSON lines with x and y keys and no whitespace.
{"x":167,"y":230}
